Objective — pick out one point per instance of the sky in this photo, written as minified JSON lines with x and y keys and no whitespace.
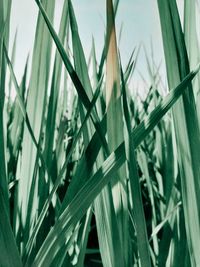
{"x":139,"y":20}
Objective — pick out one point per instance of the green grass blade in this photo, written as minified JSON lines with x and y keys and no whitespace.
{"x":84,"y":197}
{"x":79,"y":57}
{"x":94,"y":146}
{"x":105,"y":47}
{"x":23,"y":110}
{"x":192,"y":44}
{"x":187,"y":130}
{"x":4,"y":31}
{"x":95,"y":78}
{"x":138,"y":211}
{"x":9,"y":255}
{"x":16,"y":128}
{"x":82,"y":72}
{"x":74,"y":77}
{"x":55,"y":89}
{"x":77,"y":83}
{"x":3,"y":173}
{"x":115,"y":136}
{"x":83,"y":237}
{"x":36,"y":101}
{"x":58,"y":180}
{"x":13,"y":61}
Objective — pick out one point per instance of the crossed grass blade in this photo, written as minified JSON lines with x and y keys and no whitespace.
{"x":138,"y":211}
{"x":186,"y":130}
{"x":89,"y":191}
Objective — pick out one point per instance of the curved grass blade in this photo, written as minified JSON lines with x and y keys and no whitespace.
{"x":9,"y":255}
{"x":59,"y":179}
{"x":55,"y":89}
{"x":74,"y":77}
{"x":16,"y":127}
{"x":186,"y":129}
{"x":36,"y":103}
{"x":82,"y":72}
{"x":86,"y":195}
{"x":23,"y":110}
{"x":138,"y":211}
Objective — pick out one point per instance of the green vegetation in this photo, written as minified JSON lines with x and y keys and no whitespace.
{"x":90,"y":174}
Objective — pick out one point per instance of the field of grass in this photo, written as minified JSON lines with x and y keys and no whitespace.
{"x":91,"y":174}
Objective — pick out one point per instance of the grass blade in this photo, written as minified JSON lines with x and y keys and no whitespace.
{"x":115,"y":137}
{"x":84,"y":197}
{"x":74,"y":77}
{"x":138,"y":212}
{"x":186,"y":130}
{"x":36,"y":101}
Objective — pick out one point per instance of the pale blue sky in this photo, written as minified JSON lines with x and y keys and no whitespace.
{"x":139,"y":17}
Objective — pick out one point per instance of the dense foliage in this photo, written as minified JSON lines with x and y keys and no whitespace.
{"x":90,"y":173}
